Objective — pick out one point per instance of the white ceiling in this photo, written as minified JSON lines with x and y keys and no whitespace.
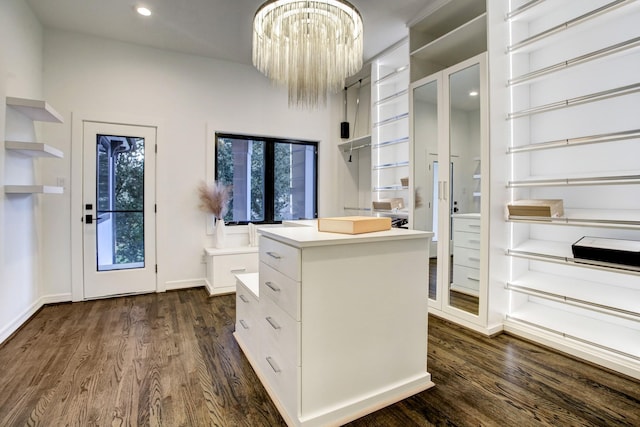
{"x":219,"y":29}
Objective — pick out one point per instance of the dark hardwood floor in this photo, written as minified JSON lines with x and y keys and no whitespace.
{"x":170,"y":359}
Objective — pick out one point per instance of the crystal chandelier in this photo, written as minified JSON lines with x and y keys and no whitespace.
{"x":309,"y":46}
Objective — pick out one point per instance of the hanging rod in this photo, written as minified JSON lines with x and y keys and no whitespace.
{"x":357,"y":147}
{"x":570,"y":23}
{"x":522,"y":9}
{"x":582,"y":140}
{"x":610,"y":50}
{"x":625,"y":90}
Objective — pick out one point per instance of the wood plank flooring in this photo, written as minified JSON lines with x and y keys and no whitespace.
{"x":170,"y":360}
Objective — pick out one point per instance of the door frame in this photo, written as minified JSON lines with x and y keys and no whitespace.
{"x":76,"y":186}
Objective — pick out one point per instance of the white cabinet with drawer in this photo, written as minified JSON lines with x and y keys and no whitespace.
{"x":466,"y":254}
{"x":224,"y":264}
{"x":248,"y":310}
{"x":342,"y":322}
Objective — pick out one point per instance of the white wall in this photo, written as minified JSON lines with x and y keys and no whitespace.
{"x":102,"y":78}
{"x":20,"y":226}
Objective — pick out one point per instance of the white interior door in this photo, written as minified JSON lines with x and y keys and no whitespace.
{"x":119,"y":209}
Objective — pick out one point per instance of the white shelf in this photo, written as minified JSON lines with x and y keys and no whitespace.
{"x":33,"y":149}
{"x":32,"y":189}
{"x":461,"y":43}
{"x":614,"y":300}
{"x":616,"y":338}
{"x":560,"y":252}
{"x":610,"y":218}
{"x":35,"y":109}
{"x":356,"y":143}
{"x":622,"y":177}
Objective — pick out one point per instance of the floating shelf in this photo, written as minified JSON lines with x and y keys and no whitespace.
{"x":36,"y":110}
{"x":33,"y":149}
{"x":32,"y":189}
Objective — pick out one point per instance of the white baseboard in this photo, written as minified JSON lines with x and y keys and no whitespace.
{"x":16,"y":323}
{"x":186,"y":284}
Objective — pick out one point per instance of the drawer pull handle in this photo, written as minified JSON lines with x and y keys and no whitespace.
{"x":239,"y":270}
{"x":272,"y":322}
{"x":474,"y":259}
{"x":474,"y":226}
{"x":271,"y":286}
{"x":243,"y":298}
{"x":474,"y":241}
{"x":274,"y":255}
{"x":244,"y":324}
{"x":473,"y":278}
{"x":273,"y":365}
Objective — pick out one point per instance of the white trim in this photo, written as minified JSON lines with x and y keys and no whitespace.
{"x":76,"y":186}
{"x":186,"y":284}
{"x":22,"y":318}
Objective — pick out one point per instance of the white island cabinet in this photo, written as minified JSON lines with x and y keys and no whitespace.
{"x":341,"y":322}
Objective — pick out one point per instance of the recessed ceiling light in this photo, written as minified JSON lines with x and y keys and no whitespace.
{"x":144,"y":11}
{"x":473,"y":93}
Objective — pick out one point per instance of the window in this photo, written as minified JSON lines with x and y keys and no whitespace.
{"x":272,"y":179}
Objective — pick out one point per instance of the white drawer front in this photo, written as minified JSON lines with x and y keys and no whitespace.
{"x":466,"y":257}
{"x":282,"y":377}
{"x":247,"y":315}
{"x":280,"y":331}
{"x":225,"y":267}
{"x":284,"y":258}
{"x":469,"y":225}
{"x":466,"y":277}
{"x":281,"y":289}
{"x":466,"y":240}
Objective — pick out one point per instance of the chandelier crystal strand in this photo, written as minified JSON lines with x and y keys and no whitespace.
{"x":308,"y":46}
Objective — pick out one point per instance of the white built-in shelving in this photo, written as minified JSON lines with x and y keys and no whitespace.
{"x":36,"y":110}
{"x":390,"y":128}
{"x":574,"y":135}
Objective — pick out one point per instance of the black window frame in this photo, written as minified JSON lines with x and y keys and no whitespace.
{"x":269,"y":177}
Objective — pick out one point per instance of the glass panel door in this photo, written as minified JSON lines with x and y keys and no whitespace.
{"x":119,"y":209}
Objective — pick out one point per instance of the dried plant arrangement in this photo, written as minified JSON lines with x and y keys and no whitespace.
{"x":214,"y":198}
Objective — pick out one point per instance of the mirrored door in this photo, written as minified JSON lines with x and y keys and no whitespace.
{"x":450,"y":137}
{"x":426,"y":168}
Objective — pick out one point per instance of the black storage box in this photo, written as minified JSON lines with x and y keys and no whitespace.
{"x":616,"y":251}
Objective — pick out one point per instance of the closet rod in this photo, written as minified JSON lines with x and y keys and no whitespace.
{"x":610,"y":50}
{"x":358,"y":147}
{"x":522,"y":9}
{"x":625,"y":90}
{"x":570,"y":23}
{"x":582,"y":140}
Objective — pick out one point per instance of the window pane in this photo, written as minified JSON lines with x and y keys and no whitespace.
{"x":272,"y":180}
{"x":294,"y":192}
{"x":240,"y":164}
{"x":120,"y":196}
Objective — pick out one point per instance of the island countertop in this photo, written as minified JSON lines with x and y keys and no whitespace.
{"x":307,"y":235}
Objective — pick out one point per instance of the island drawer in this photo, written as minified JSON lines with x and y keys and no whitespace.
{"x":283,"y":290}
{"x":284,"y":258}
